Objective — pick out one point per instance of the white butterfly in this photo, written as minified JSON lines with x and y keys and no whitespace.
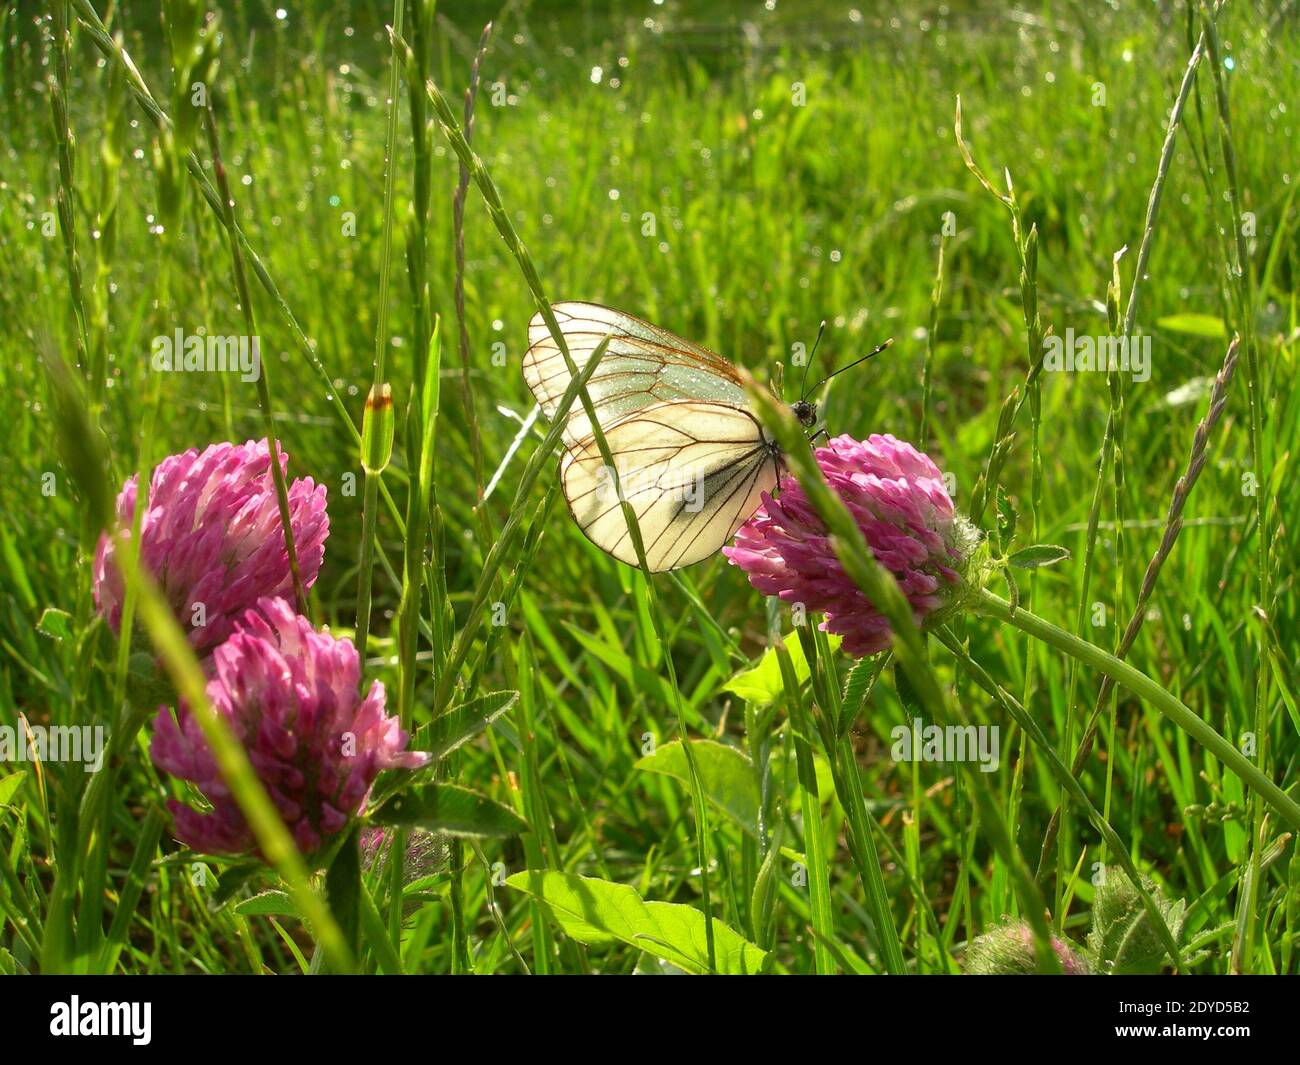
{"x":691,"y":457}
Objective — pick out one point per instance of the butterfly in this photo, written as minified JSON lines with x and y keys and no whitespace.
{"x":691,"y":457}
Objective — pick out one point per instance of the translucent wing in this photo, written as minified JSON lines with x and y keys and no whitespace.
{"x":693,"y":471}
{"x":642,"y":366}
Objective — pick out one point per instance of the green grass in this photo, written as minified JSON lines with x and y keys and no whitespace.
{"x":750,"y":174}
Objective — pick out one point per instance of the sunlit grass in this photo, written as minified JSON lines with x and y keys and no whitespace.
{"x":738,"y":188}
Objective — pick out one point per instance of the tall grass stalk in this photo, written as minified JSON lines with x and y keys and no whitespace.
{"x":263,"y":382}
{"x":64,"y":196}
{"x":370,"y":498}
{"x":458,"y":283}
{"x":113,"y":49}
{"x":1148,"y":690}
{"x":1027,"y":253}
{"x":931,"y":339}
{"x":1241,"y":286}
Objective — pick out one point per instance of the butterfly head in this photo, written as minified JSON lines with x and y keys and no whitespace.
{"x":806,"y":413}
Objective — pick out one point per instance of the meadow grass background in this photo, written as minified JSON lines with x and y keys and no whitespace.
{"x":768,"y":218}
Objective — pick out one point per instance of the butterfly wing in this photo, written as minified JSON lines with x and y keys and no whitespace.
{"x":642,"y":366}
{"x":693,"y":471}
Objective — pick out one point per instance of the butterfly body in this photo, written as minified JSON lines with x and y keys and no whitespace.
{"x":806,"y":413}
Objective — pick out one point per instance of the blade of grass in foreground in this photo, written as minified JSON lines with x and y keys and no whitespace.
{"x":814,"y":842}
{"x":848,"y":787}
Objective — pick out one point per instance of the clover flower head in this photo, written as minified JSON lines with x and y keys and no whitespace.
{"x":291,"y":696}
{"x":899,"y":501}
{"x":213,"y":539}
{"x":1008,"y":950}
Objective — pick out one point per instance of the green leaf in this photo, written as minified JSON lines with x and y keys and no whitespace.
{"x":452,"y":809}
{"x":55,"y":623}
{"x":616,"y":658}
{"x":597,"y":912}
{"x":268,"y":904}
{"x":9,"y":785}
{"x":1038,"y":555}
{"x":858,"y":687}
{"x":762,"y":901}
{"x":147,"y":687}
{"x":17,"y":570}
{"x":231,"y":879}
{"x":343,"y":889}
{"x":762,"y":683}
{"x":1006,"y":517}
{"x":1197,"y":325}
{"x":726,"y":775}
{"x":1013,"y":590}
{"x":378,"y":426}
{"x":462,"y":723}
{"x":1123,"y":940}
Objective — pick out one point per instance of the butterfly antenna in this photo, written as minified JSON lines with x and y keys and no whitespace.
{"x":808,"y":362}
{"x":856,"y":362}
